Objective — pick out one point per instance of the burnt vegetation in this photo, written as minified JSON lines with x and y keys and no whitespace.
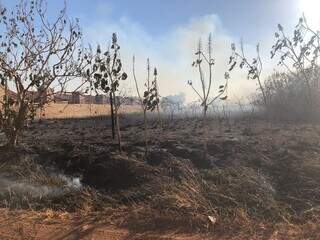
{"x":200,"y":169}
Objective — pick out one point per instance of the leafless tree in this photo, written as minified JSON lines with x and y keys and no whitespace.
{"x":170,"y":106}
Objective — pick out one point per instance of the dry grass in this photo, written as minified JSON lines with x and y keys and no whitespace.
{"x":64,"y":110}
{"x":248,"y":190}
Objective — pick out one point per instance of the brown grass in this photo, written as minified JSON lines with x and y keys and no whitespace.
{"x":65,"y":110}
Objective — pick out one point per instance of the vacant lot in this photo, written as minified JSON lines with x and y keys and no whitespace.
{"x":65,"y":110}
{"x":262,"y":182}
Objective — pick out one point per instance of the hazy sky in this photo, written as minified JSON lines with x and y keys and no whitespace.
{"x":251,"y":19}
{"x":167,"y":31}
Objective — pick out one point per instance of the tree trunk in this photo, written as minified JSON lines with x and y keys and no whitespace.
{"x":12,"y":138}
{"x":112,"y":116}
{"x":159,"y":117}
{"x":116,"y":122}
{"x":16,"y":125}
{"x":118,"y":132}
{"x":205,"y":144}
{"x":145,"y":132}
{"x":263,"y":95}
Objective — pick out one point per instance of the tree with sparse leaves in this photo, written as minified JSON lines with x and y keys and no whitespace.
{"x":299,"y":54}
{"x":253,"y":67}
{"x":105,"y":75}
{"x":206,"y":58}
{"x":149,"y":101}
{"x":37,"y":56}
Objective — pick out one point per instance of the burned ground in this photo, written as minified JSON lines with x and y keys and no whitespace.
{"x":267,"y":173}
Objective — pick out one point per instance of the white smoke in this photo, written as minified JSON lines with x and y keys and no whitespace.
{"x":179,"y":98}
{"x":18,"y":187}
{"x":172,"y":53}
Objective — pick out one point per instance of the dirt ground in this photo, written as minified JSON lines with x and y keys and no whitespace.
{"x":259,"y":181}
{"x":62,"y":225}
{"x":48,"y":225}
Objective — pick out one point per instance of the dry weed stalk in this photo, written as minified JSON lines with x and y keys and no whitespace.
{"x":206,"y":85}
{"x":150,"y":99}
{"x":254,"y":68}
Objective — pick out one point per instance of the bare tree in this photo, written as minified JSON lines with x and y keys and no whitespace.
{"x":206,"y":84}
{"x":157,"y":95}
{"x":170,"y":105}
{"x":150,"y":99}
{"x":193,"y":107}
{"x":37,"y":56}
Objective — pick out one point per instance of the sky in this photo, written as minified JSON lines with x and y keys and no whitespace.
{"x":167,"y":32}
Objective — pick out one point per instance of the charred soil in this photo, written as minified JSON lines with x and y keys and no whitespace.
{"x":256,"y":183}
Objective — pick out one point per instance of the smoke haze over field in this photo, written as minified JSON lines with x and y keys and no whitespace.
{"x":173,"y":53}
{"x":168,"y":31}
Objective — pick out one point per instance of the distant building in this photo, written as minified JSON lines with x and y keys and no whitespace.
{"x":130,"y":100}
{"x":101,"y":99}
{"x":77,"y":98}
{"x":9,"y":92}
{"x":40,"y":96}
{"x":81,"y":98}
{"x":70,"y":98}
{"x":63,"y":97}
{"x":89,"y":99}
